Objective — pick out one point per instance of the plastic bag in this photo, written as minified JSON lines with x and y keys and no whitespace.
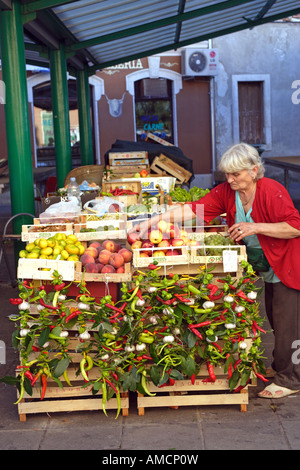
{"x":103,"y":206}
{"x":60,"y":210}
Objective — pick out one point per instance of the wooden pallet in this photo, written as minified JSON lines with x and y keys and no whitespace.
{"x":201,"y":393}
{"x":78,"y":397}
{"x":163,"y":163}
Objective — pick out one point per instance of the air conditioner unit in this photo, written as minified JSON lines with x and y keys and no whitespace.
{"x":199,"y":62}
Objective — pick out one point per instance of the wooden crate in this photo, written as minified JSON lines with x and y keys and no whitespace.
{"x":117,"y":230}
{"x":154,"y":137}
{"x":138,"y":261}
{"x":103,"y":277}
{"x":127,"y":200}
{"x":68,"y":399}
{"x":216,"y":262}
{"x":43,"y":269}
{"x":127,"y":159}
{"x":31,"y":232}
{"x":173,"y":169}
{"x":201,"y":393}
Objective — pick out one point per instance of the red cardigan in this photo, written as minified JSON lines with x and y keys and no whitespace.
{"x":272,"y":204}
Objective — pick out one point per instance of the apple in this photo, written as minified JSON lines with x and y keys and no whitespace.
{"x":133,"y":236}
{"x":86,"y":258}
{"x":164,"y":244}
{"x":172,"y":252}
{"x":144,"y":254}
{"x":147,"y":244}
{"x":155,"y":237}
{"x":162,"y":226}
{"x":177,"y":242}
{"x":158,"y":254}
{"x":144,"y":173}
{"x":136,"y":245}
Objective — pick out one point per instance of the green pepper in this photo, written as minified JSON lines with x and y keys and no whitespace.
{"x":146,"y":338}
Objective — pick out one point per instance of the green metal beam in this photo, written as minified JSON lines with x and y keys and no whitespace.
{"x":171,"y":46}
{"x":38,"y":5}
{"x":61,"y":120}
{"x":84,"y":114}
{"x":180,"y":17}
{"x":17,"y":114}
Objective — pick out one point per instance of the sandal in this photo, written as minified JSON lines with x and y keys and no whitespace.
{"x":276,"y":391}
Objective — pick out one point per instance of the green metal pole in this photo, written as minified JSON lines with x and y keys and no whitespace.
{"x":61,"y":120}
{"x":17,"y":115}
{"x":84,"y":114}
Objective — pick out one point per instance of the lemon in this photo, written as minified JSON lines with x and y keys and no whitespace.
{"x":23,"y":254}
{"x":73,"y":258}
{"x":43,"y":243}
{"x":57,"y":250}
{"x":81,"y":248}
{"x":58,"y":236}
{"x":51,"y":242}
{"x":29,"y":247}
{"x":72,"y":249}
{"x":33,"y":255}
{"x":64,"y":254}
{"x":47,"y":251}
{"x":43,"y":257}
{"x":72,"y":237}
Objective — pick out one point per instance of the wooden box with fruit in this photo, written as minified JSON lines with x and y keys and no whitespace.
{"x":105,"y":261}
{"x":32,"y":232}
{"x":101,"y":230}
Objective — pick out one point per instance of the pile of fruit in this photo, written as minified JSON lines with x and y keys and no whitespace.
{"x":105,"y":257}
{"x":59,"y":246}
{"x":164,"y":238}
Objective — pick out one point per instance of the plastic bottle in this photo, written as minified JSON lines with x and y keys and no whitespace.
{"x":74,"y":190}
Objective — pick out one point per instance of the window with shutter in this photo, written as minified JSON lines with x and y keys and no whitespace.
{"x":251,"y":112}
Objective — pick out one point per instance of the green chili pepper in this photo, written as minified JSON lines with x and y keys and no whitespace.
{"x":104,"y":396}
{"x":144,"y":385}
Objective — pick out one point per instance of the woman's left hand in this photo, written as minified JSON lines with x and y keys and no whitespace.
{"x":243,"y":229}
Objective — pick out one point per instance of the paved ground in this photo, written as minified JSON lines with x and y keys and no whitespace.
{"x":267,"y":425}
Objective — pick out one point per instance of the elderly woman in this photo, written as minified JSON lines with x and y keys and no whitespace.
{"x":261,"y":214}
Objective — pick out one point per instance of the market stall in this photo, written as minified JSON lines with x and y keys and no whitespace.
{"x":103,"y":313}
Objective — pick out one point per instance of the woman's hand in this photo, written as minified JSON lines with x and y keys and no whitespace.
{"x":243,"y":229}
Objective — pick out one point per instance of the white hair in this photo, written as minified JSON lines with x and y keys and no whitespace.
{"x":242,"y":157}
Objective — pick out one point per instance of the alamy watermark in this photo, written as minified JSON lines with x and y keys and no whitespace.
{"x":2,"y":92}
{"x":2,"y":352}
{"x":296,"y":93}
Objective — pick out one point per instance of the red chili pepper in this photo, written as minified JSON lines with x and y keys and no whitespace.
{"x":34,"y":348}
{"x":29,"y":375}
{"x":115,"y":375}
{"x":243,"y":296}
{"x":240,"y":387}
{"x":253,"y":330}
{"x":166,"y":302}
{"x":231,"y":286}
{"x":16,"y":301}
{"x":216,"y":345}
{"x":193,"y":378}
{"x":258,"y":327}
{"x":213,"y":288}
{"x":216,"y":296}
{"x":72,"y":315}
{"x":112,"y":307}
{"x":111,"y":385}
{"x":123,"y":306}
{"x":237,"y":363}
{"x":36,"y":377}
{"x":199,"y":325}
{"x":50,"y":307}
{"x":44,"y":386}
{"x":171,"y":381}
{"x":149,"y":358}
{"x":197,"y":333}
{"x":210,"y":369}
{"x":59,"y":287}
{"x":229,"y":370}
{"x":180,"y":297}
